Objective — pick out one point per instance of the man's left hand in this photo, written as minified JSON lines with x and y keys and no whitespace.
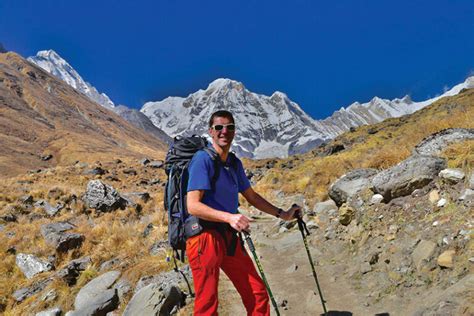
{"x":294,"y":212}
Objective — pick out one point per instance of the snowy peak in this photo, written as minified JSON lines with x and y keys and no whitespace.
{"x":51,"y":62}
{"x":267,"y":126}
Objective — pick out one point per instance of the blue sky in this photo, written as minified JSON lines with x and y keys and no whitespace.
{"x":322,"y":54}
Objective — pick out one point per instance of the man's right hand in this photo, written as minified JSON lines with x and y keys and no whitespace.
{"x":239,"y":222}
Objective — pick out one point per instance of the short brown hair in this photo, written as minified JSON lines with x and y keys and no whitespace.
{"x":221,"y":113}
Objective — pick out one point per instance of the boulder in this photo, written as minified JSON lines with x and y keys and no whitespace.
{"x":95,"y":288}
{"x":23,"y":293}
{"x":99,"y":305}
{"x":155,"y":299}
{"x":410,"y":174}
{"x":31,"y":265}
{"x":423,"y":252}
{"x":452,"y":175}
{"x":73,"y":269}
{"x":434,"y":144}
{"x":324,"y":207}
{"x":445,"y":260}
{"x":103,"y":197}
{"x":55,"y":235}
{"x":351,"y":184}
{"x":50,"y":312}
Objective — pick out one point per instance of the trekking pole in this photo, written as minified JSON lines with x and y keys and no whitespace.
{"x":305,"y":232}
{"x":260,"y":269}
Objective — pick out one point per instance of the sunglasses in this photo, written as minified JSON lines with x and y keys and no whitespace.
{"x":220,"y":127}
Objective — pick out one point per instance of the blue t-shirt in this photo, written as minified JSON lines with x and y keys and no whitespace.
{"x":230,"y":182}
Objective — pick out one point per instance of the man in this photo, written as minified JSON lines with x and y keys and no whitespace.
{"x":216,"y":207}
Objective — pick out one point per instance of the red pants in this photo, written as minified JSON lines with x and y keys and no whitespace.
{"x":207,"y":255}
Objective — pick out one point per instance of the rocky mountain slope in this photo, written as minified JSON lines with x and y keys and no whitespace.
{"x":50,"y":61}
{"x":389,"y":207}
{"x":273,"y":126}
{"x":45,"y":122}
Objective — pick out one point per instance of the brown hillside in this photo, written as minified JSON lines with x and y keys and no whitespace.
{"x":40,"y":115}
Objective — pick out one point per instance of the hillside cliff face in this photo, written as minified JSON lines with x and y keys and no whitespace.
{"x":41,"y":116}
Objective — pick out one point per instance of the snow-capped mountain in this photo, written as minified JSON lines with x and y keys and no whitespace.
{"x":377,"y":110}
{"x":272,"y":126}
{"x":50,"y":61}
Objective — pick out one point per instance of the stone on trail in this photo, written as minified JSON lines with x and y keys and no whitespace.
{"x":423,"y":252}
{"x":155,"y":299}
{"x":445,"y":260}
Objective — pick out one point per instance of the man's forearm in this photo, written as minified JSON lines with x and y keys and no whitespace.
{"x":207,"y":213}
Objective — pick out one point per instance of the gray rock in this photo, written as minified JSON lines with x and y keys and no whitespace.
{"x":102,"y":197}
{"x":123,"y":287}
{"x":73,"y":269}
{"x":136,"y":197}
{"x":412,"y":173}
{"x":26,"y":199}
{"x":324,"y":207}
{"x":452,"y":175}
{"x":166,"y":278}
{"x":156,"y":164}
{"x":423,"y":252}
{"x":55,"y":235}
{"x":351,"y":184}
{"x":471,"y":181}
{"x":365,"y":268}
{"x":31,"y":265}
{"x":48,"y":208}
{"x":130,"y":171}
{"x":158,"y":247}
{"x":99,"y":305}
{"x":95,"y":171}
{"x":145,"y":161}
{"x":50,"y":312}
{"x":434,"y":144}
{"x":155,"y":299}
{"x":23,"y":293}
{"x":109,"y":264}
{"x":95,"y":288}
{"x":467,"y":195}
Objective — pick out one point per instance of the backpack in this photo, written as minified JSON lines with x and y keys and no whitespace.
{"x":182,"y":225}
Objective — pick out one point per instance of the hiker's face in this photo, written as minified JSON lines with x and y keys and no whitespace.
{"x":224,"y":137}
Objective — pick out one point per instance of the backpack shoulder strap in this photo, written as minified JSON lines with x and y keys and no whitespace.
{"x":217,"y":164}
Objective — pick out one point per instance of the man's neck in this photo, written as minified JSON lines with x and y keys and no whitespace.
{"x":222,"y":151}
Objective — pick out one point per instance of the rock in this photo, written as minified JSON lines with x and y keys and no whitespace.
{"x":445,"y":260}
{"x":55,"y":235}
{"x":471,"y":181}
{"x":148,"y":230}
{"x":136,"y":197}
{"x":103,"y":197}
{"x":48,"y":208}
{"x":73,"y":269}
{"x":95,"y":171}
{"x":9,"y":218}
{"x":109,"y":264}
{"x":410,"y":174}
{"x":123,"y":287}
{"x":346,"y":214}
{"x":155,"y":299}
{"x":100,"y":304}
{"x":95,"y":288}
{"x":350,"y":184}
{"x":324,"y":207}
{"x":423,"y":252}
{"x":467,"y":195}
{"x":452,"y":175}
{"x":31,"y":265}
{"x":130,"y":171}
{"x":376,"y":199}
{"x":144,"y":161}
{"x":46,"y":157}
{"x":433,"y":197}
{"x":156,"y":164}
{"x":50,"y":312}
{"x":26,"y":199}
{"x":26,"y":292}
{"x":441,"y":202}
{"x":434,"y":144}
